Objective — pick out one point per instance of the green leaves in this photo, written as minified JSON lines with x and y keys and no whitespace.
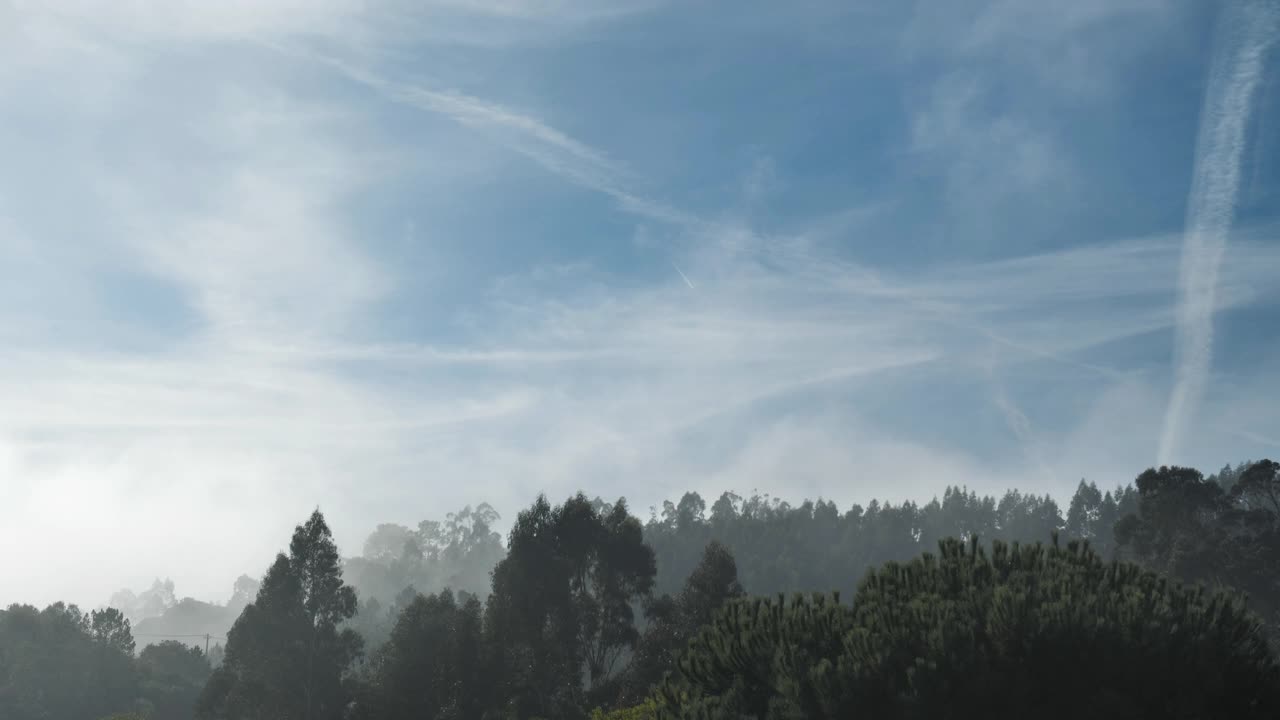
{"x":1021,"y":630}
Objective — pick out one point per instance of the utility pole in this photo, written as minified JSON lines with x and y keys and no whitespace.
{"x":206,"y":646}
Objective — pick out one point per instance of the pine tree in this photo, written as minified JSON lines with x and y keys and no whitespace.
{"x":1021,"y":631}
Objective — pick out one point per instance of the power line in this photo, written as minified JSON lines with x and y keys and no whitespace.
{"x":206,"y":636}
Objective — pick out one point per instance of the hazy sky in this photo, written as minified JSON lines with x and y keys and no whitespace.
{"x":391,"y":258}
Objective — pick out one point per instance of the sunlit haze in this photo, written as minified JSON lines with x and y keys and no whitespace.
{"x":390,"y":258}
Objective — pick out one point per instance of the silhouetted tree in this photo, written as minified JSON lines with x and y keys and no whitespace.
{"x":560,"y":613}
{"x":1191,"y":528}
{"x":286,"y":655}
{"x":172,"y":676}
{"x":431,"y":666}
{"x":61,"y":663}
{"x":672,"y":622}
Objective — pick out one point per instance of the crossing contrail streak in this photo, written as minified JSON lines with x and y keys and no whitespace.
{"x":1248,"y":31}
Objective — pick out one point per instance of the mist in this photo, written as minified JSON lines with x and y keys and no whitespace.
{"x":514,"y":345}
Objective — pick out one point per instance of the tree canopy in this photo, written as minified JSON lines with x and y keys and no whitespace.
{"x":62,"y":663}
{"x":1020,"y":631}
{"x":1207,"y":531}
{"x":562,"y":603}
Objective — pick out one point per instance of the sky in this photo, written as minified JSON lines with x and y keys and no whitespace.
{"x":391,"y":258}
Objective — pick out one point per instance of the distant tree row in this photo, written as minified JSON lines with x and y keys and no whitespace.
{"x":397,"y":564}
{"x":816,"y":547}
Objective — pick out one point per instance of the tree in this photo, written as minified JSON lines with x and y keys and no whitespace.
{"x":1172,"y":530}
{"x":243,"y":591}
{"x":431,"y":666}
{"x":60,"y":663}
{"x":1022,"y":631}
{"x":172,"y":676}
{"x":387,"y":542}
{"x":561,"y":606}
{"x":1258,"y":488}
{"x":672,"y":623}
{"x":458,"y":553}
{"x":286,"y":655}
{"x":147,"y":604}
{"x":1084,"y":512}
{"x":110,"y":629}
{"x":713,"y":583}
{"x":1191,"y":528}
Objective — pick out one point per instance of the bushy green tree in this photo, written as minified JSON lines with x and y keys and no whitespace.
{"x":287,"y":654}
{"x":432,"y":666}
{"x":1021,"y":631}
{"x":672,"y":622}
{"x":60,"y":663}
{"x":172,"y":676}
{"x":1193,"y":529}
{"x":560,"y":613}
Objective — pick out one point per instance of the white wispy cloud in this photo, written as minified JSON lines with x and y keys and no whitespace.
{"x":194,"y":455}
{"x":553,"y":149}
{"x":1249,"y":30}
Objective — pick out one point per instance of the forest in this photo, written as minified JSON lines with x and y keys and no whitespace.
{"x":1157,"y":598}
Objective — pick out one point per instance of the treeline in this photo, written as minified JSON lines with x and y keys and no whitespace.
{"x":398,"y":563}
{"x":815,"y":546}
{"x":587,"y":609}
{"x":62,"y":663}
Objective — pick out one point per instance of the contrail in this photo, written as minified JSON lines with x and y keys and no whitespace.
{"x":1019,"y":424}
{"x":687,"y":281}
{"x":1247,"y":33}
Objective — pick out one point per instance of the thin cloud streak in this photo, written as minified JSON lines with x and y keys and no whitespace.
{"x":684,"y":277}
{"x":554,"y":150}
{"x":1250,"y":30}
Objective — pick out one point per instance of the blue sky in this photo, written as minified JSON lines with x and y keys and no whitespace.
{"x":394,"y":257}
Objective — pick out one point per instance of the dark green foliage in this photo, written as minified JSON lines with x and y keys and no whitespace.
{"x":1195,"y":530}
{"x":431,"y":666}
{"x":1092,"y":515}
{"x":560,"y":614}
{"x":286,"y":656}
{"x":1022,"y":631}
{"x":816,"y":547}
{"x":110,"y":629}
{"x":60,"y":663}
{"x":172,"y":676}
{"x":672,"y":622}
